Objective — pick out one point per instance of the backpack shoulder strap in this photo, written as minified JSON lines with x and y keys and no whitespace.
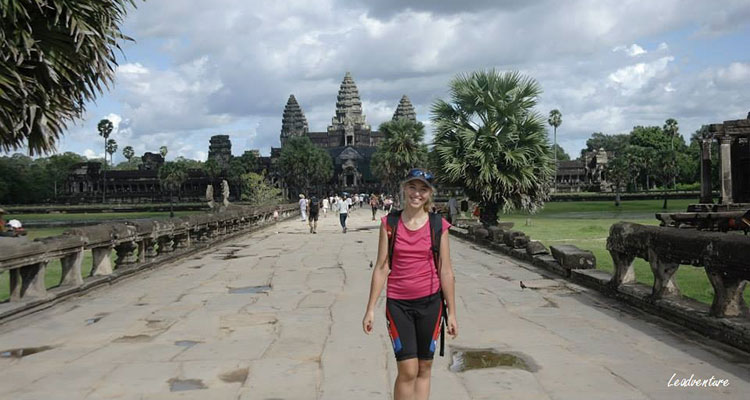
{"x":391,"y":227}
{"x":436,"y":230}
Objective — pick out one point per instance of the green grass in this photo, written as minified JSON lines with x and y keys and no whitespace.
{"x":586,"y":225}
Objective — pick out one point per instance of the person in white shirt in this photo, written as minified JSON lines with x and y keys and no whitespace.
{"x":326,"y":204}
{"x":343,"y":207}
{"x":303,"y":207}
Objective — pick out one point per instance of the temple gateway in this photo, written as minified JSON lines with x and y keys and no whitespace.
{"x":349,"y":139}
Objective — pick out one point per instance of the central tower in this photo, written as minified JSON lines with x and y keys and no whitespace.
{"x":348,"y":126}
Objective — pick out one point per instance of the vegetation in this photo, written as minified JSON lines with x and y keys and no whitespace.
{"x":57,"y":55}
{"x":257,"y":191}
{"x":304,"y":165}
{"x":171,"y":176}
{"x":402,"y":149}
{"x":555,"y":120}
{"x":490,"y":142}
{"x":24,"y":180}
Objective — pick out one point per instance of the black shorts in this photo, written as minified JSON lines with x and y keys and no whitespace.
{"x":414,"y":326}
{"x":314,"y":215}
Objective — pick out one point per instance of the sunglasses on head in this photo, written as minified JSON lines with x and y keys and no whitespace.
{"x":418,"y":173}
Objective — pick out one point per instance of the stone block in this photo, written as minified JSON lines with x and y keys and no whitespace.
{"x":481,"y":233}
{"x":571,"y":257}
{"x":509,"y":236}
{"x":520,"y":241}
{"x":496,"y":234}
{"x":535,"y":247}
{"x":549,"y":263}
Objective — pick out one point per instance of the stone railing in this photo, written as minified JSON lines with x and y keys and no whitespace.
{"x":138,"y":244}
{"x":724,"y":256}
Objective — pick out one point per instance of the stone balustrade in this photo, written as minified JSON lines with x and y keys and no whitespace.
{"x":724,"y":256}
{"x":138,"y":244}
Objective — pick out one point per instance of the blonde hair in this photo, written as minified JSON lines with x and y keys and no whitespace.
{"x":427,"y":206}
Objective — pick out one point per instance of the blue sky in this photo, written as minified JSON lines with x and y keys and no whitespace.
{"x":227,"y":66}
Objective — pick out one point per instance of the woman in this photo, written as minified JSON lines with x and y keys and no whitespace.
{"x":416,"y":288}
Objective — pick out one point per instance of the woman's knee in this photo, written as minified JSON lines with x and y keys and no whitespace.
{"x":408,"y":370}
{"x":425,"y":368}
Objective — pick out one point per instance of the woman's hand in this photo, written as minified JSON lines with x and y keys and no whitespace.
{"x":367,"y":321}
{"x":452,"y":326}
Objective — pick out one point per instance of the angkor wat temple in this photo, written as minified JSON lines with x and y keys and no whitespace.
{"x":349,"y":139}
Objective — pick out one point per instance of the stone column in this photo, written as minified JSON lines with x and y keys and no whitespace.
{"x":126,"y":254}
{"x":726,"y":169}
{"x":71,"y":269}
{"x":706,"y":183}
{"x":102,"y":262}
{"x":664,"y":283}
{"x":624,"y":271}
{"x":28,"y":282}
{"x":165,"y":245}
{"x":728,"y":299}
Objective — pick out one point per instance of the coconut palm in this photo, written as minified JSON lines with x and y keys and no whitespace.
{"x":671,"y":129}
{"x":489,"y":141}
{"x":400,"y":150}
{"x":163,"y":151}
{"x":105,"y":129}
{"x":128,"y":153}
{"x":555,"y":120}
{"x":57,"y":56}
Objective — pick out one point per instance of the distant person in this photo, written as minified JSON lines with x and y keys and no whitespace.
{"x":361,"y":200}
{"x":343,"y":208}
{"x":326,"y":205}
{"x":452,"y":209}
{"x":387,"y":204}
{"x":313,"y":208}
{"x":420,"y":294}
{"x":374,"y":205}
{"x":2,"y":222}
{"x":303,"y":207}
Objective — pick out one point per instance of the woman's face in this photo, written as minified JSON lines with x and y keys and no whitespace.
{"x":417,"y":193}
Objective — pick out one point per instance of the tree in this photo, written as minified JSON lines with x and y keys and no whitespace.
{"x":234,"y":174}
{"x":59,"y":166}
{"x":128,"y":152}
{"x":212,"y":169}
{"x":612,"y":143}
{"x":304,"y":165}
{"x":111,"y":149}
{"x":57,"y":55}
{"x":618,"y":173}
{"x":171,"y":177}
{"x":105,"y":129}
{"x":560,"y":153}
{"x":555,"y":120}
{"x":490,"y":141}
{"x":256,"y":191}
{"x":671,"y":129}
{"x":163,"y":151}
{"x":400,"y":150}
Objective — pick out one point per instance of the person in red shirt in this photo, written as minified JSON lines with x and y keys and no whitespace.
{"x":415,"y":290}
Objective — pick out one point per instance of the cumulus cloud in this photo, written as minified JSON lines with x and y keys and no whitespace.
{"x":228,"y":66}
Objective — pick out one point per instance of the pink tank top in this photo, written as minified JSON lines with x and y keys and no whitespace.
{"x":413,"y":274}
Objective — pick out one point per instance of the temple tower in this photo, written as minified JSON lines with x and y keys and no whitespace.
{"x":349,"y":124}
{"x":293,"y":122}
{"x":220,"y":149}
{"x":405,"y":110}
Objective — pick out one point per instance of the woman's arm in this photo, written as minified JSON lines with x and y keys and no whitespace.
{"x":379,"y":276}
{"x":448,"y":284}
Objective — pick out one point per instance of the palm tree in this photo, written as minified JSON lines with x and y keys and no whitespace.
{"x":57,"y":56}
{"x":489,"y":140}
{"x":105,"y":129}
{"x":555,"y":120}
{"x":171,"y":176}
{"x":128,"y":152}
{"x":111,"y":149}
{"x":163,"y":152}
{"x":400,"y":150}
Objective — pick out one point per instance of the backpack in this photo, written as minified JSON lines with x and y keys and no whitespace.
{"x":314,"y":205}
{"x":436,"y":230}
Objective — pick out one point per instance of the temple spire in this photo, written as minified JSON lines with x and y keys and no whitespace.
{"x":348,"y":104}
{"x":405,"y":110}
{"x":293,"y":122}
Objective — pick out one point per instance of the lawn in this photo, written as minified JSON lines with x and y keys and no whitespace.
{"x":586,"y":225}
{"x":97,"y":216}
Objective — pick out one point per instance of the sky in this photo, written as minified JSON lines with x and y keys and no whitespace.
{"x":201,"y":68}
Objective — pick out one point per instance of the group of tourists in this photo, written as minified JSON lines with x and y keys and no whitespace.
{"x":311,"y":208}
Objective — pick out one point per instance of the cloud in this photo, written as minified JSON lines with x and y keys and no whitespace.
{"x":227,"y":66}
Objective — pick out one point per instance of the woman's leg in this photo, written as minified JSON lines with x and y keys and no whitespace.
{"x":406,"y":381}
{"x":422,"y":385}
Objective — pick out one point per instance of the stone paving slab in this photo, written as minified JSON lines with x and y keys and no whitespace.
{"x":295,"y":331}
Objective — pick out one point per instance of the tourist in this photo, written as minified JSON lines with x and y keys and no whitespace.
{"x":313,"y":209}
{"x":303,"y":207}
{"x":387,"y":203}
{"x":2,"y":221}
{"x":343,"y":207}
{"x":374,"y":206}
{"x":452,"y":209}
{"x":414,"y":304}
{"x":326,"y":204}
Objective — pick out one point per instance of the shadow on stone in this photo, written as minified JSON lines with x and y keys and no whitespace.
{"x":23,"y":352}
{"x":250,"y":289}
